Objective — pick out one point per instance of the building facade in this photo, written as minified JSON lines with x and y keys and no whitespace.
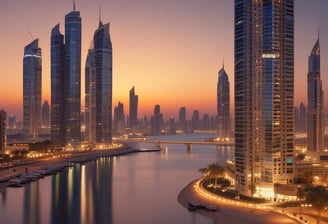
{"x":45,"y":109}
{"x":98,"y":87}
{"x":32,"y":86}
{"x":223,"y":105}
{"x":3,"y":132}
{"x":315,"y":114}
{"x":119,"y":119}
{"x":72,"y":81}
{"x":264,"y":95}
{"x":133,"y":110}
{"x":66,"y":82}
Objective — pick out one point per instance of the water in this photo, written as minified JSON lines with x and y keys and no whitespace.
{"x":135,"y":188}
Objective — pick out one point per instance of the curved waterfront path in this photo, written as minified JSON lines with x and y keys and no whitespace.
{"x":232,"y":212}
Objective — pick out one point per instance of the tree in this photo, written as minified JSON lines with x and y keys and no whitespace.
{"x":301,"y":197}
{"x":318,"y":197}
{"x":214,"y":170}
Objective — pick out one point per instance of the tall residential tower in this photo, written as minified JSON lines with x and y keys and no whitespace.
{"x":223,"y":104}
{"x":133,"y":110}
{"x":66,"y":82}
{"x":264,"y":95}
{"x":98,"y":98}
{"x":315,"y":115}
{"x":32,"y":82}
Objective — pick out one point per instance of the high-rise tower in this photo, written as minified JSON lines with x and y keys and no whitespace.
{"x":3,"y":131}
{"x":315,"y":115}
{"x":133,"y":109}
{"x":223,"y":104}
{"x":66,"y":82}
{"x":32,"y":81}
{"x":72,"y":86}
{"x":98,"y":81}
{"x":57,"y":87}
{"x":264,"y":95}
{"x":103,"y":83}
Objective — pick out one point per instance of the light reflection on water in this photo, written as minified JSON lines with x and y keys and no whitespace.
{"x":136,"y":188}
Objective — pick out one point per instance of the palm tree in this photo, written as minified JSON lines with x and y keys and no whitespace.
{"x":300,"y":196}
{"x":318,"y":197}
{"x":215,"y":171}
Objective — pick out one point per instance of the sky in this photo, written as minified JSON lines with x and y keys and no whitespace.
{"x":169,"y":50}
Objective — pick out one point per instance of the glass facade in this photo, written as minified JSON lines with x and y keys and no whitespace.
{"x":315,"y":115}
{"x":57,"y":88}
{"x":32,"y":83}
{"x":223,"y":104}
{"x":264,"y":94}
{"x":133,"y":110}
{"x":73,"y":78}
{"x":98,"y":98}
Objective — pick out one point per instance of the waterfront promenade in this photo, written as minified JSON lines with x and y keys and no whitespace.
{"x":234,"y":212}
{"x":58,"y":158}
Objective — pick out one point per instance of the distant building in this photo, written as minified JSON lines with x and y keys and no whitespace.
{"x":157,"y":120}
{"x":264,"y":95}
{"x":302,"y":118}
{"x":206,"y":122}
{"x":183,"y":119}
{"x":119,"y":119}
{"x":133,"y":110}
{"x":3,"y":133}
{"x":315,"y":113}
{"x":12,"y":122}
{"x":32,"y":86}
{"x":223,"y":104}
{"x":172,"y":126}
{"x":45,"y":115}
{"x":66,"y":82}
{"x":195,"y":120}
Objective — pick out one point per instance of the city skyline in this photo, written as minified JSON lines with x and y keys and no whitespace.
{"x":152,"y":44}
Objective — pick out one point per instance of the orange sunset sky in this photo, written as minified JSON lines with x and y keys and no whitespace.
{"x":170,"y":50}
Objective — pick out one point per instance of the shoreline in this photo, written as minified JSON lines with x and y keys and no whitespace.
{"x":16,"y":171}
{"x":230,"y":212}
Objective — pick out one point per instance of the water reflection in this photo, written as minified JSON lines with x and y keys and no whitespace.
{"x":83,"y":194}
{"x":32,"y":203}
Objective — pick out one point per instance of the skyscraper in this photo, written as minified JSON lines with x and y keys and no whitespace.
{"x":264,"y":95}
{"x":157,"y":120}
{"x":3,"y":133}
{"x":182,"y":119}
{"x":72,"y":87}
{"x":119,"y":119}
{"x":90,"y":97}
{"x":32,"y":81}
{"x":45,"y":115}
{"x":99,"y":88}
{"x":57,"y":87}
{"x":66,"y":82}
{"x":315,"y":115}
{"x":302,"y":117}
{"x":104,"y":69}
{"x":223,"y":104}
{"x":133,"y":110}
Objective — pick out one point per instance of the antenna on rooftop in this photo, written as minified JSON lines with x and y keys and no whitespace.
{"x":99,"y":14}
{"x":74,"y":5}
{"x":30,"y":34}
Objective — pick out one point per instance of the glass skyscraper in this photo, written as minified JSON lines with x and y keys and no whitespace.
{"x":99,"y":88}
{"x":57,"y":88}
{"x":315,"y":115}
{"x":264,"y":95}
{"x":133,"y":110}
{"x":66,"y":82}
{"x":73,"y":78}
{"x":32,"y":82}
{"x":223,"y":104}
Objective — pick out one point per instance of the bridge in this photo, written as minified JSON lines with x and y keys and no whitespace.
{"x":159,"y":143}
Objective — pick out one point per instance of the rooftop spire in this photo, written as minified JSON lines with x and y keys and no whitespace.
{"x":99,"y":14}
{"x":222,"y":62}
{"x":74,"y":5}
